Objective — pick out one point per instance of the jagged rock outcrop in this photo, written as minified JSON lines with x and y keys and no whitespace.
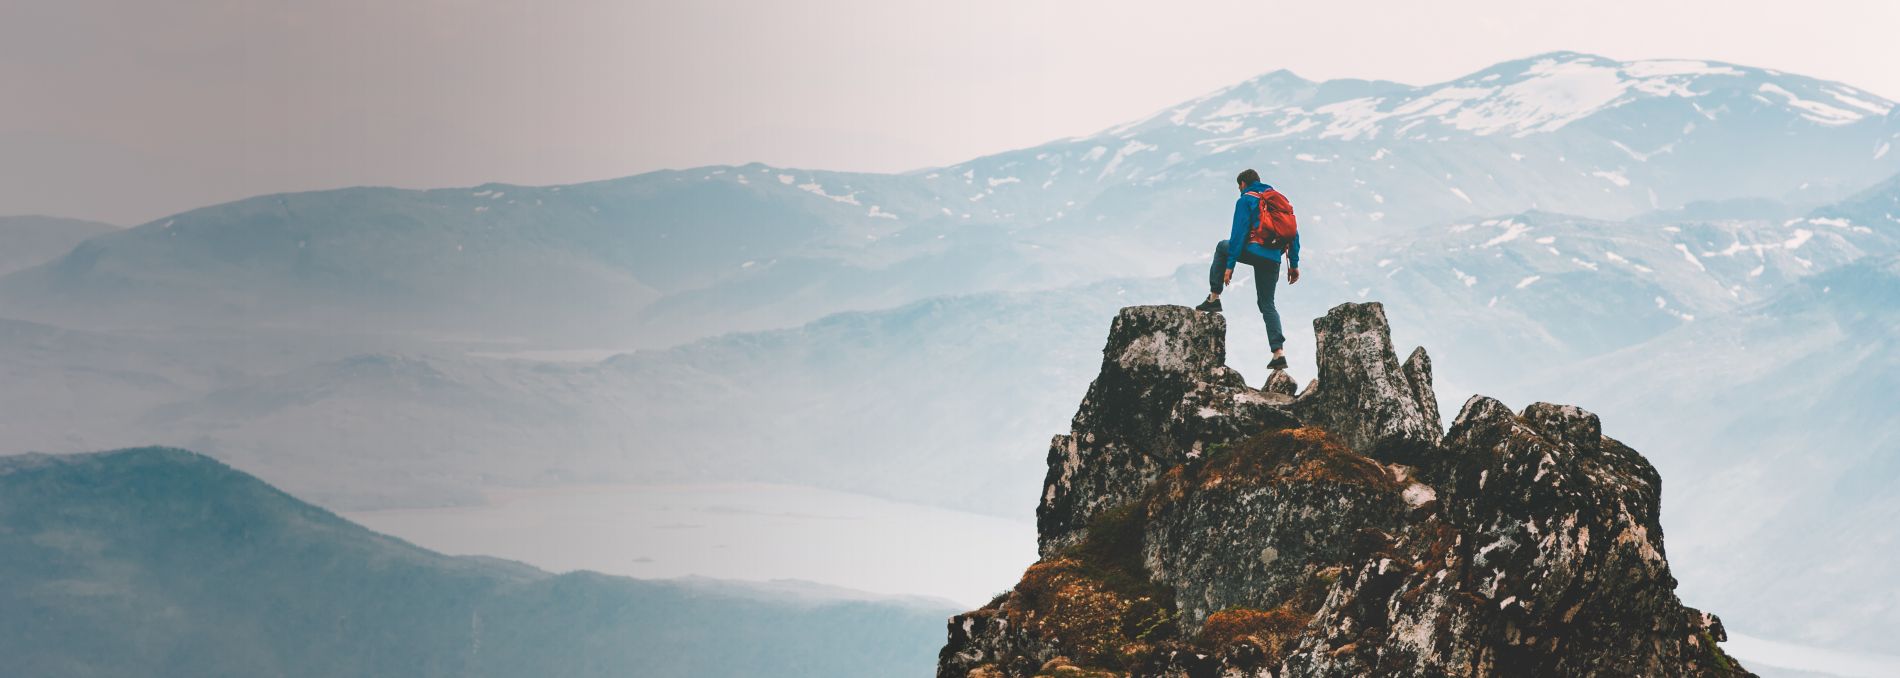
{"x":1192,"y":527}
{"x":1164,"y":395}
{"x":1373,"y":404}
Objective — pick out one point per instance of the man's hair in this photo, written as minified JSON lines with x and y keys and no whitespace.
{"x":1248,"y":177}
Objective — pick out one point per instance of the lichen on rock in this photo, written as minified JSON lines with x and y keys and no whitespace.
{"x":1191,"y":526}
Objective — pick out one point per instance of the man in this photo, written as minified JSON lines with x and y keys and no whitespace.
{"x":1248,"y":242}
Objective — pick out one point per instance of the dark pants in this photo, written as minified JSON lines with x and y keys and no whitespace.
{"x":1266,"y":274}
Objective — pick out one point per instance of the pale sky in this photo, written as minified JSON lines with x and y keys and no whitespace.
{"x":128,"y":110}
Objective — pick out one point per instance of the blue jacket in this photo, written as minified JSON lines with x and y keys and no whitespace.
{"x":1246,"y":212}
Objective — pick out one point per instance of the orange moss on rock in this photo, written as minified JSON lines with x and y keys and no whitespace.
{"x":1061,"y":667}
{"x":1096,"y":599}
{"x":1062,"y":603}
{"x":1171,"y":487}
{"x":1305,"y":454}
{"x":1265,"y":637}
{"x":1270,"y":630}
{"x":1073,"y":606}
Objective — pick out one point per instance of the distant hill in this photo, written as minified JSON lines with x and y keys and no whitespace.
{"x":28,"y":241}
{"x":646,"y":260}
{"x":161,"y":562}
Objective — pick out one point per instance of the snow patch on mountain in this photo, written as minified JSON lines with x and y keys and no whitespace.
{"x":1512,"y":230}
{"x":1814,"y":110}
{"x":1616,"y":177}
{"x":1128,"y":149}
{"x":1686,"y":254}
{"x":1556,"y":94}
{"x":818,"y":190}
{"x":1644,"y":157}
{"x":1667,"y":67}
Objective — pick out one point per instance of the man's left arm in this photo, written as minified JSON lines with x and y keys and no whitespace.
{"x":1293,"y":260}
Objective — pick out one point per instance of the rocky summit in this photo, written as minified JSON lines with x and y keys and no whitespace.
{"x":1192,"y":526}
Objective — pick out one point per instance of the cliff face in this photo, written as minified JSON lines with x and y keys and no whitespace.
{"x":1192,"y":526}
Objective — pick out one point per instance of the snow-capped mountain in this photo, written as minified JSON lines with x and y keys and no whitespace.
{"x":669,"y":256}
{"x":1560,"y":132}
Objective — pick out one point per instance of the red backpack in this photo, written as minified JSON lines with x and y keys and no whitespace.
{"x":1275,"y":227}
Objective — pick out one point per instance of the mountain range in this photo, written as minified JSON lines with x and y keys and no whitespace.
{"x":1706,"y":240}
{"x":669,"y":256}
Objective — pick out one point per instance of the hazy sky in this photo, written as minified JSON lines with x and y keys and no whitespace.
{"x":127,"y":110}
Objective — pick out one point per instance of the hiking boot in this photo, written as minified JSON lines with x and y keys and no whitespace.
{"x":1209,"y":306}
{"x":1279,"y":363}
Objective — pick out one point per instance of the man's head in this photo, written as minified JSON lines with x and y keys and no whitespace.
{"x":1247,"y":178}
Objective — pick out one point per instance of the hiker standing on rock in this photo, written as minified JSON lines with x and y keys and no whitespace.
{"x":1265,"y":230}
